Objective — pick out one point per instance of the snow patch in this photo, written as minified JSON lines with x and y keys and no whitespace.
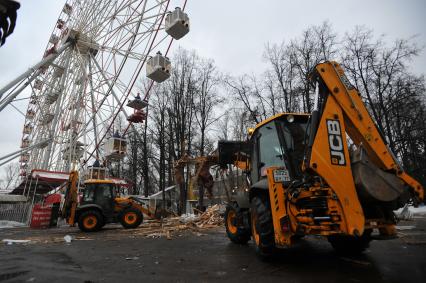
{"x":407,"y":227}
{"x":11,"y":241}
{"x":408,"y":212}
{"x":10,"y":224}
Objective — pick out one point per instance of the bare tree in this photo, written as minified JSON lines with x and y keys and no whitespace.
{"x":224,"y":126}
{"x":246,"y":91}
{"x":285,"y":86}
{"x":206,"y":100}
{"x":182,"y":89}
{"x":11,"y":177}
{"x":393,"y":94}
{"x":317,"y":44}
{"x":280,"y":79}
{"x":134,"y":168}
{"x":160,"y":123}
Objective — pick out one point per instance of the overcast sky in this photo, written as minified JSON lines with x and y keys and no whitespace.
{"x":232,"y":32}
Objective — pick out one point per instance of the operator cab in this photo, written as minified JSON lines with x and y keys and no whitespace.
{"x":279,"y":142}
{"x":101,"y":193}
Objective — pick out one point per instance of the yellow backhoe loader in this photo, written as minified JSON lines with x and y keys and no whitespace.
{"x":305,"y":179}
{"x":100,"y":204}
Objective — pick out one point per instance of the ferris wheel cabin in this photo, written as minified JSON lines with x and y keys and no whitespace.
{"x":33,"y":99}
{"x":115,"y":148}
{"x":54,"y":39}
{"x":38,"y":84}
{"x":137,"y":103}
{"x":25,"y":157}
{"x":95,"y":172}
{"x":46,"y":118}
{"x":158,"y":68}
{"x":51,"y":97}
{"x":28,"y":128}
{"x":177,"y":23}
{"x":30,"y":114}
{"x":59,"y":71}
{"x":67,"y":9}
{"x":25,"y":142}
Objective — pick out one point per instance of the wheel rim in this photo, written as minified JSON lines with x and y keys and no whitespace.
{"x":256,"y":236}
{"x":90,"y":222}
{"x":130,"y":218}
{"x":230,"y":222}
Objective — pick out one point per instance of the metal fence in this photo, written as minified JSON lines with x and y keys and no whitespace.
{"x":19,"y":212}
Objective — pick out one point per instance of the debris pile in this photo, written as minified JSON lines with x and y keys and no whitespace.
{"x":207,"y":219}
{"x":211,"y":218}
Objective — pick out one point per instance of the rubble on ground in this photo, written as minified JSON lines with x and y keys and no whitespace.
{"x":168,"y":228}
{"x":207,"y":219}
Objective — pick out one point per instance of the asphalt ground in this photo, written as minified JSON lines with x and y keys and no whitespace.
{"x":118,"y":255}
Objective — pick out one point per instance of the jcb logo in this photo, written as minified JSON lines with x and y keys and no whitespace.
{"x":335,"y":142}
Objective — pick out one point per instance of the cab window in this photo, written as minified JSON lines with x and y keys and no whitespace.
{"x":104,"y":190}
{"x":89,"y":193}
{"x":294,"y":139}
{"x":270,"y":151}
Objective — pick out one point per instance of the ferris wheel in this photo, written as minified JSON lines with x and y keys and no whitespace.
{"x":93,"y":59}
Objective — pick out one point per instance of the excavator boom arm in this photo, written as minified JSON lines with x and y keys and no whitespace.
{"x":71,"y":198}
{"x":360,"y":125}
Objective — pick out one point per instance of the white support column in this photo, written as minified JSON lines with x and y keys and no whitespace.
{"x":95,"y":129}
{"x":15,"y":154}
{"x":10,"y":97}
{"x":47,"y":60}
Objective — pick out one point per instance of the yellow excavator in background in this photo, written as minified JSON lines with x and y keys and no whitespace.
{"x":305,"y":179}
{"x":100,"y":204}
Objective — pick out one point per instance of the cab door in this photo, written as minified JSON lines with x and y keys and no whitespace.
{"x":267,"y":151}
{"x":104,"y":197}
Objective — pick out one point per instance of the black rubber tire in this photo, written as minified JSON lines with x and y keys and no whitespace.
{"x":243,"y":234}
{"x":139,"y":218}
{"x":298,"y":237}
{"x":350,"y":245}
{"x":88,"y":213}
{"x":261,"y":217}
{"x":103,"y":223}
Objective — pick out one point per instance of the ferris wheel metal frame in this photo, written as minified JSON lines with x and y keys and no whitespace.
{"x":93,"y":60}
